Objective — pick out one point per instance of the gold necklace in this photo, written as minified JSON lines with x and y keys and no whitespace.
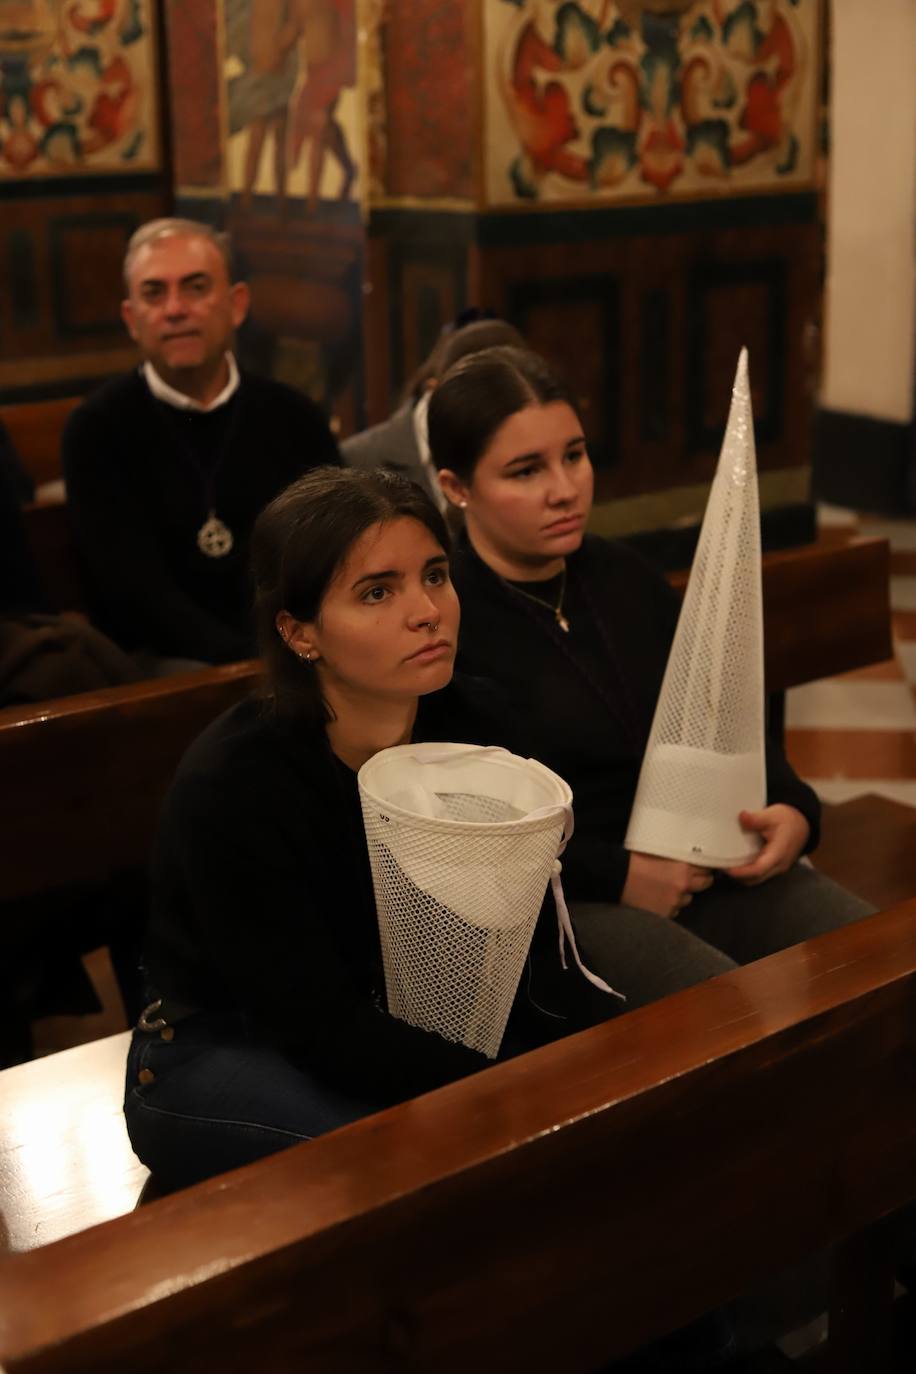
{"x":557,"y":610}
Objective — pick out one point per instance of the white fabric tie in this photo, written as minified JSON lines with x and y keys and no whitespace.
{"x":565,"y":930}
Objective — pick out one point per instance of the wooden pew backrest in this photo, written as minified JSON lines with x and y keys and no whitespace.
{"x":826,"y":610}
{"x":83,"y":778}
{"x":550,"y":1213}
{"x":53,"y":546}
{"x":36,"y":429}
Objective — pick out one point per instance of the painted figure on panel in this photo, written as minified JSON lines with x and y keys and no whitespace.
{"x":289,"y":62}
{"x":76,"y":86}
{"x":636,"y":97}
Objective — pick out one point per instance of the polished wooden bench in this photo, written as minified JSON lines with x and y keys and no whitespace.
{"x":826,"y":606}
{"x":53,"y":546}
{"x":548,"y":1214}
{"x":82,"y":779}
{"x":65,"y":1160}
{"x":85,"y":776}
{"x":36,"y":429}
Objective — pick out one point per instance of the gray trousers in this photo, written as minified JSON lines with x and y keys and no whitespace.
{"x":645,"y":956}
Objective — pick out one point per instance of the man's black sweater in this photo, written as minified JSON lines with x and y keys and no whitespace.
{"x":582,"y":702}
{"x":141,"y":479}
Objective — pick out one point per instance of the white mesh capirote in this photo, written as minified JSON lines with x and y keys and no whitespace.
{"x":462,"y":842}
{"x":705,"y":760}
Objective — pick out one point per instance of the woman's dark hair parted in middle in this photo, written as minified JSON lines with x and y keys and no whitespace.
{"x":479,"y":394}
{"x":299,"y":542}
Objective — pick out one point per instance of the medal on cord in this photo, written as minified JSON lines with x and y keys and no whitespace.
{"x":214,"y":538}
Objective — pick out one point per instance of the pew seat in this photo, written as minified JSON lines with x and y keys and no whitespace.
{"x":550,"y":1213}
{"x":36,"y":429}
{"x":65,"y":1160}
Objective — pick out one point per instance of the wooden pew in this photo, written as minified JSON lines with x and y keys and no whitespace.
{"x":826,"y":610}
{"x":548,"y":1214}
{"x":86,"y":774}
{"x":826,"y":606}
{"x":36,"y":429}
{"x":82,"y":779}
{"x":53,"y":546}
{"x":85,"y":778}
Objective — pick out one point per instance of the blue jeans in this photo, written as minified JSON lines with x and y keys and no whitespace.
{"x":215,"y":1098}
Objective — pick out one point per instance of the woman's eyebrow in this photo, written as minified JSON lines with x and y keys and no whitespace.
{"x":522,"y":458}
{"x":389,"y":573}
{"x":377,"y":576}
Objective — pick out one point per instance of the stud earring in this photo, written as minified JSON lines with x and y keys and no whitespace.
{"x":463,"y":505}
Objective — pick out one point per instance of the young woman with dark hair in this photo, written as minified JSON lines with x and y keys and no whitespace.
{"x":269,"y":1023}
{"x":577,"y":631}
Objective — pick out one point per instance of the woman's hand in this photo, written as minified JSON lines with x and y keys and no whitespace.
{"x":664,"y":886}
{"x":785,"y":833}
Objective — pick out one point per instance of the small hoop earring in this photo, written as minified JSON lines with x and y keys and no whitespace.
{"x":306,"y":657}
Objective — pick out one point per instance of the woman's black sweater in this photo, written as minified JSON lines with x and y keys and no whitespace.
{"x":263,"y":908}
{"x":582,"y":702}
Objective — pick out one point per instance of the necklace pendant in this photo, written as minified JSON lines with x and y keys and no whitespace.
{"x":214,"y":538}
{"x":562,"y":621}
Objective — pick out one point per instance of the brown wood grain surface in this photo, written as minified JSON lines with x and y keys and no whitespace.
{"x":36,"y":428}
{"x":868,"y":844}
{"x":82,"y":778}
{"x":547,"y":1214}
{"x":826,"y":610}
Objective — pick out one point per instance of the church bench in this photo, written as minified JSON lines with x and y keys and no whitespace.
{"x":82,"y":778}
{"x":36,"y":429}
{"x":826,"y":606}
{"x":51,"y":539}
{"x":65,"y":1159}
{"x":548,"y":1214}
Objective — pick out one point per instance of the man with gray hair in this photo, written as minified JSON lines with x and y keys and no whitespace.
{"x":168,"y":468}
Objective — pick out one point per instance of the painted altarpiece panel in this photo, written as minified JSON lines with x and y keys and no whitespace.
{"x":78,"y":88}
{"x":592,"y":101}
{"x":295,"y":125}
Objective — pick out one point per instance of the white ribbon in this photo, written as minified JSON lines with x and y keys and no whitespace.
{"x":564,"y":922}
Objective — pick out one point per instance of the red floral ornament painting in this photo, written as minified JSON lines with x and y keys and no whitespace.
{"x":77,"y":87}
{"x":648,"y":99}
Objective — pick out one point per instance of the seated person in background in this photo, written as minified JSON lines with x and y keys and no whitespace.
{"x":168,"y":467}
{"x":400,"y":443}
{"x":577,"y":631}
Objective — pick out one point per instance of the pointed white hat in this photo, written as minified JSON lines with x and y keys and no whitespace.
{"x":705,"y":759}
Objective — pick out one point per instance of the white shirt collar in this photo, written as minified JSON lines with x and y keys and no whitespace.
{"x":421,"y":434}
{"x":163,"y":392}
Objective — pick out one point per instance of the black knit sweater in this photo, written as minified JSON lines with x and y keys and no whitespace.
{"x":141,"y":477}
{"x":263,"y":907}
{"x":583,"y":702}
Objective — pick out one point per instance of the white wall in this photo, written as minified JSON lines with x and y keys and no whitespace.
{"x":871,"y":223}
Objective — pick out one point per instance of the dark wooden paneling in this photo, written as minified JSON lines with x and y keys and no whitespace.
{"x":86,"y":293}
{"x":731,"y":306}
{"x":576,"y":321}
{"x":60,"y":287}
{"x":427,"y":289}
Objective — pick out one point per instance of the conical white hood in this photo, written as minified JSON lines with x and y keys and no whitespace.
{"x":705,"y":758}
